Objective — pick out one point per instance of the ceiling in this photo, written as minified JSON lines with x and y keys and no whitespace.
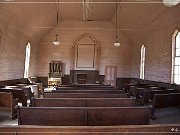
{"x":36,"y":18}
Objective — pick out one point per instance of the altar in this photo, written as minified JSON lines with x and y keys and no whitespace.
{"x":84,"y":76}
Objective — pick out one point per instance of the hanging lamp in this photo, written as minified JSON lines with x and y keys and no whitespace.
{"x":116,"y":43}
{"x":56,"y":42}
{"x":171,"y":3}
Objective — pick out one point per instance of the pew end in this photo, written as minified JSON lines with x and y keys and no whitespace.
{"x":7,"y":104}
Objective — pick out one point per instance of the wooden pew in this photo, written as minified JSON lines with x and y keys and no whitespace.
{"x":136,"y":90}
{"x":132,"y":90}
{"x":157,"y":129}
{"x":89,"y":91}
{"x":8,"y":103}
{"x":85,"y":87}
{"x":34,"y":81}
{"x":83,"y":102}
{"x":148,"y":95}
{"x":166,"y":100}
{"x":127,"y":86}
{"x":34,"y":88}
{"x":83,"y":116}
{"x":83,"y":95}
{"x":27,"y":90}
{"x":17,"y":93}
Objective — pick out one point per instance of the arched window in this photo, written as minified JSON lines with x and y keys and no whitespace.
{"x":83,"y":45}
{"x":176,"y":57}
{"x":142,"y":62}
{"x":27,"y":60}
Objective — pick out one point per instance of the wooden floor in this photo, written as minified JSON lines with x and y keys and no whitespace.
{"x":169,"y":115}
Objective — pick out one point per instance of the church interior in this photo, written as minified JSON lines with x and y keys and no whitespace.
{"x":89,"y":67}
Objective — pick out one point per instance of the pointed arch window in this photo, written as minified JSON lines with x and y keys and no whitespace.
{"x":86,"y":53}
{"x":142,"y":64}
{"x":176,"y":57}
{"x":27,"y":60}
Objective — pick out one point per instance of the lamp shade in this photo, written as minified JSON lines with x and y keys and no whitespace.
{"x":117,"y":44}
{"x":170,"y":3}
{"x":56,"y":42}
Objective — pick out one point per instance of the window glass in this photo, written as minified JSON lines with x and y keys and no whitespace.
{"x":142,"y":64}
{"x":27,"y":60}
{"x":176,"y":58}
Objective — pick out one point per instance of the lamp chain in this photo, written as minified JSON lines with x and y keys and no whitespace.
{"x":116,"y":22}
{"x":57,"y":19}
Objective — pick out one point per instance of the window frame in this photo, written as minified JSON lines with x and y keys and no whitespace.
{"x":174,"y":36}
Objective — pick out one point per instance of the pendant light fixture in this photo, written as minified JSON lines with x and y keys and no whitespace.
{"x":116,"y":44}
{"x":56,"y":42}
{"x":171,"y":3}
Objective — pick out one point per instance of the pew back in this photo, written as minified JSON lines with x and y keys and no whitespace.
{"x":58,"y":102}
{"x":166,"y":100}
{"x":83,"y":95}
{"x":27,"y":90}
{"x":83,"y":102}
{"x":84,"y":87}
{"x":83,"y":116}
{"x":149,"y":94}
{"x":89,"y":91}
{"x":158,"y":129}
{"x":17,"y":93}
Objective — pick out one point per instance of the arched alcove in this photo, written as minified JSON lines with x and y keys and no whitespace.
{"x":85,"y":53}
